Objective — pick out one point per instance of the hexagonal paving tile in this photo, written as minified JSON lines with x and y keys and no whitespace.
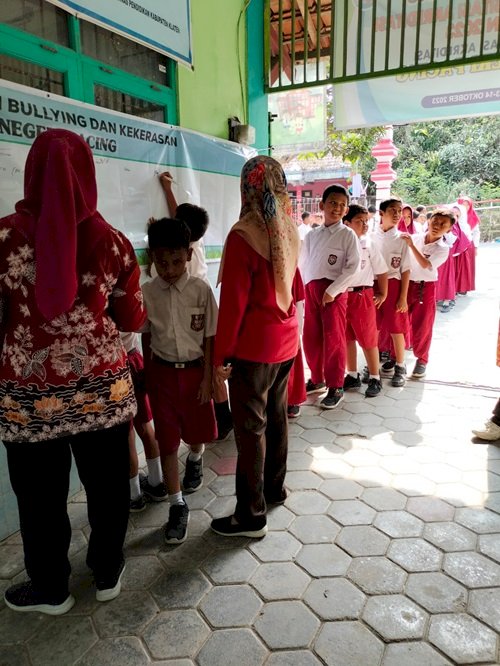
{"x":348,"y":643}
{"x":413,"y":654}
{"x":125,"y":615}
{"x":62,"y":641}
{"x":12,"y":560}
{"x":481,"y":520}
{"x":365,"y":419}
{"x":415,"y":555}
{"x":323,"y":560}
{"x":472,"y":569}
{"x":351,"y":512}
{"x":450,"y":537}
{"x":359,"y":457}
{"x":230,"y":606}
{"x":463,"y":639}
{"x":430,"y":509}
{"x":232,"y":646}
{"x":436,"y":592}
{"x":361,"y":540}
{"x":489,"y":544}
{"x":293,"y":658}
{"x":344,"y":427}
{"x":14,"y":631}
{"x":180,"y":589}
{"x":303,"y":480}
{"x":310,"y":422}
{"x":384,"y":499}
{"x":276,"y":547}
{"x":485,"y":604}
{"x":230,"y":566}
{"x":141,"y":572}
{"x":400,"y":425}
{"x":371,"y":476}
{"x":400,"y":465}
{"x":280,"y":580}
{"x":377,"y":575}
{"x":413,"y":485}
{"x":298,"y":461}
{"x":175,"y":634}
{"x":279,"y":518}
{"x":307,"y":502}
{"x":188,"y":555}
{"x":399,"y":524}
{"x":126,"y":651}
{"x":341,"y":489}
{"x":395,"y":617}
{"x":334,"y":599}
{"x":314,"y":529}
{"x":319,"y":435}
{"x":286,"y":624}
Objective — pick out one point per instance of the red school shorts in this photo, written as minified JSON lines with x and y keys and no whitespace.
{"x":388,"y":320}
{"x":177,"y":412}
{"x":136,"y":363}
{"x":361,"y":320}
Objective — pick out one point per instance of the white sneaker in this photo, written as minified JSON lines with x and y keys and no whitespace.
{"x":490,"y":432}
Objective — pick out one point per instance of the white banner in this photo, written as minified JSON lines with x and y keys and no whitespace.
{"x":162,"y":25}
{"x":129,"y":154}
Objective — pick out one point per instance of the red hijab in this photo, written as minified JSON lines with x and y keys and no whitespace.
{"x":60,"y":192}
{"x":472,"y":216}
{"x":410,"y":229}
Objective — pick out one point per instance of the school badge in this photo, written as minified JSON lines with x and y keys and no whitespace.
{"x":363,"y":263}
{"x":197,"y":322}
{"x":396,"y":262}
{"x":332,"y":259}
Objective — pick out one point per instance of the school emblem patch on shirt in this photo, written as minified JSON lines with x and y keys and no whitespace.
{"x":197,"y":322}
{"x":332,"y":259}
{"x":396,"y":262}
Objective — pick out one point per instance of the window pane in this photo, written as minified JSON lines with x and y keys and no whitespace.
{"x":21,"y":71}
{"x":118,"y":101}
{"x":123,"y":53}
{"x":37,"y":17}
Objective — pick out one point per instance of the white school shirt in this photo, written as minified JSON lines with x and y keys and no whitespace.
{"x":303,"y":230}
{"x":436,"y":253}
{"x":330,"y":252}
{"x":394,"y":250}
{"x":130,"y":341}
{"x":372,"y":263}
{"x":180,"y":316}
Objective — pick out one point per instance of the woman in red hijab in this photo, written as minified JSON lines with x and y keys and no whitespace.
{"x":68,"y":283}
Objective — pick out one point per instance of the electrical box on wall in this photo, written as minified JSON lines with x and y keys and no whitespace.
{"x":240,"y":133}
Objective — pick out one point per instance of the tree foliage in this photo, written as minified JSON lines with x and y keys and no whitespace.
{"x":440,"y":160}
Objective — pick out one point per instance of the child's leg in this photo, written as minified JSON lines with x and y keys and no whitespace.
{"x":352,"y":356}
{"x":313,"y":330}
{"x":372,"y":361}
{"x":334,"y":318}
{"x":422,"y":321}
{"x":398,"y":340}
{"x":134,"y":459}
{"x":222,"y":411}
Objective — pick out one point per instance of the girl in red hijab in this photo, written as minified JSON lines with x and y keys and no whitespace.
{"x":68,"y":283}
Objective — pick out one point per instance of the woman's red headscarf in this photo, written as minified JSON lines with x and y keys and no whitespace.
{"x":410,"y":229}
{"x":472,"y":216}
{"x":60,"y":192}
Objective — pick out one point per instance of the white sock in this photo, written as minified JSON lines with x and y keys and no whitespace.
{"x":375,"y":377}
{"x":155,"y":473}
{"x":196,"y":455}
{"x":135,"y":488}
{"x":176,"y":498}
{"x":353,"y":373}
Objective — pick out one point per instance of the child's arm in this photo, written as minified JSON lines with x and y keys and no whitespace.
{"x":402,"y":304}
{"x":351,"y":266}
{"x":421,"y":260}
{"x":166,"y":181}
{"x":382,"y":283}
{"x":205,"y":392}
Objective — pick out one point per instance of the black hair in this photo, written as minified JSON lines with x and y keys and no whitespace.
{"x":416,"y":214}
{"x":420,"y":208}
{"x":168,"y":233}
{"x":305,"y":214}
{"x":354,"y":209}
{"x":195,"y":217}
{"x":385,"y":204}
{"x":372,"y":209}
{"x":335,"y":189}
{"x":428,"y":215}
{"x":444,"y":212}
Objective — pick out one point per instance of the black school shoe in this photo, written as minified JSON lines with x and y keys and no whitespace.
{"x":374,"y":387}
{"x":138,"y":504}
{"x":157,"y":493}
{"x":399,"y":377}
{"x":332,"y":399}
{"x":387,"y":368}
{"x":193,"y":475}
{"x":109,"y":587}
{"x":311,"y":387}
{"x":176,"y":527}
{"x":293,"y":411}
{"x":24,"y":598}
{"x":226,"y":527}
{"x":352,"y":382}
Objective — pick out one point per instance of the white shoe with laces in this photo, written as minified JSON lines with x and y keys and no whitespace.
{"x":490,"y":432}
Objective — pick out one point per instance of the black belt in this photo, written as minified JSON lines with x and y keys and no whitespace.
{"x":179,"y":365}
{"x":361,"y":288}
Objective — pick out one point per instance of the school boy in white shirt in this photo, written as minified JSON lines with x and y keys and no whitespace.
{"x":428,"y":251}
{"x":329,"y":258}
{"x":392,"y":317}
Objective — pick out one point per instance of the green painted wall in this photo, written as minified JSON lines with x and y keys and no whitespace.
{"x":211,"y":93}
{"x":257,"y":98}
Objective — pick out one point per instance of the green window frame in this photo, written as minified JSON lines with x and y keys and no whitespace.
{"x":81,"y":73}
